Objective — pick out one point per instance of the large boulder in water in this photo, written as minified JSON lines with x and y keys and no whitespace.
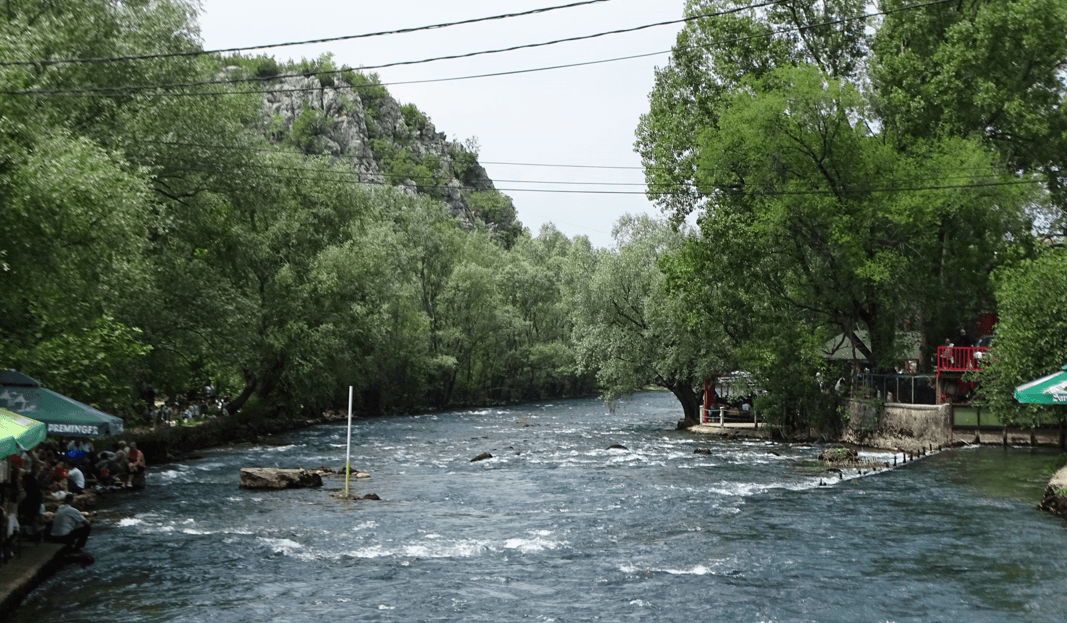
{"x":275,"y":478}
{"x":1055,"y":499}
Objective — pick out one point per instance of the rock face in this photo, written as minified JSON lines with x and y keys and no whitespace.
{"x":366,"y":128}
{"x":274,"y":478}
{"x":1055,"y":500}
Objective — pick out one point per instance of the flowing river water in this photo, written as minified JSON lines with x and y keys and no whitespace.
{"x":557,"y":527}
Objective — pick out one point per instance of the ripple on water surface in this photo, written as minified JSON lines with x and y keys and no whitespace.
{"x":557,"y":526}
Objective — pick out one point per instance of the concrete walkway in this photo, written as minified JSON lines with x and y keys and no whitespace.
{"x":24,"y":572}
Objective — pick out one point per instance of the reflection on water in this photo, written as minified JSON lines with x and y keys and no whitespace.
{"x":559,"y":527}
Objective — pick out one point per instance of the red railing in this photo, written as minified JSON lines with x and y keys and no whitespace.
{"x":961,"y":358}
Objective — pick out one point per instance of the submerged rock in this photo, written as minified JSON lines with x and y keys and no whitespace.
{"x":617,"y":446}
{"x":274,"y":478}
{"x":481,"y":457}
{"x":702,"y":451}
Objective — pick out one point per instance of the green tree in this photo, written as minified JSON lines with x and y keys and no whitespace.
{"x":811,"y":209}
{"x":627,"y":327}
{"x":986,"y":69}
{"x":1030,"y":339}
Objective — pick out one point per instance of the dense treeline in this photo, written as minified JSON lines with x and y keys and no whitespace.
{"x":849,"y":176}
{"x":856,"y":173}
{"x":161,"y":238}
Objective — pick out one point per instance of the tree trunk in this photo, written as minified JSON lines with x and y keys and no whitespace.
{"x":235,"y":405}
{"x":683,"y":391}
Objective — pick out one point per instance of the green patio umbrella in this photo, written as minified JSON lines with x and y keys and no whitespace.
{"x":64,"y":416}
{"x":18,"y":433}
{"x":1047,"y":390}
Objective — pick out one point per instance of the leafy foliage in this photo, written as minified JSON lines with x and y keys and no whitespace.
{"x":1030,"y":340}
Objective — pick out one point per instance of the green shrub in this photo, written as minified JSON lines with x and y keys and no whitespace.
{"x":310,"y":129}
{"x":414,"y":118}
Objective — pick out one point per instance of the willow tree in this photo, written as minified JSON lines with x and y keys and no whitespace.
{"x":628,"y":328}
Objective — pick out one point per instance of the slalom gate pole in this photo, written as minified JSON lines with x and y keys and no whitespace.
{"x":348,"y":446}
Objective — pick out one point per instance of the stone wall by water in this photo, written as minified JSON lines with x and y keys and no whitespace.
{"x":898,"y":426}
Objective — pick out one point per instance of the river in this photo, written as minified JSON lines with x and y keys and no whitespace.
{"x":557,"y":527}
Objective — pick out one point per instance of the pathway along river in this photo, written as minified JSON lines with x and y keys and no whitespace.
{"x":556,"y":527}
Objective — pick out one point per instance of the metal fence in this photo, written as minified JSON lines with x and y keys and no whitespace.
{"x":916,"y":389}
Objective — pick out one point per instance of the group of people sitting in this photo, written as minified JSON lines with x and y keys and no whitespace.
{"x":106,"y":468}
{"x":172,"y":413}
{"x":42,"y":478}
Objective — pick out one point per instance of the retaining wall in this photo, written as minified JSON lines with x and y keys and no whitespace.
{"x":911,"y":427}
{"x":899,"y":426}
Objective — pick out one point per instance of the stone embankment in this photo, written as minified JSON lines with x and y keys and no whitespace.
{"x":913,"y":429}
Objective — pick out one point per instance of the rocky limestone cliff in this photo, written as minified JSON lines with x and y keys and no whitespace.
{"x":385,"y":143}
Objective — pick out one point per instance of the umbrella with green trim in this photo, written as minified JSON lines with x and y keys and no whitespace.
{"x":63,"y":415}
{"x":1047,"y":390}
{"x":18,"y":433}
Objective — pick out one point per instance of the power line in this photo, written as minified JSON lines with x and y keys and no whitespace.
{"x":177,"y":85}
{"x":343,"y":176}
{"x":522,"y":164}
{"x":400,"y":31}
{"x":116,"y":91}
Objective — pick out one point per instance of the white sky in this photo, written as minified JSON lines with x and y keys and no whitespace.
{"x":577,"y":116}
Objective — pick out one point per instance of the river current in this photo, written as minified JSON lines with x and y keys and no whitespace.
{"x":557,"y":527}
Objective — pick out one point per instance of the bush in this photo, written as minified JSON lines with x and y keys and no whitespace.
{"x":414,"y":118}
{"x":310,"y":129}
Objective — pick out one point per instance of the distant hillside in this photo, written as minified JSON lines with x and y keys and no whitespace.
{"x":351,"y":117}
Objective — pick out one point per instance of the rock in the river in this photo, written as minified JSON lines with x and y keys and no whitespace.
{"x":845,"y":456}
{"x":355,"y":472}
{"x":481,"y":457}
{"x":371,"y":496}
{"x":1055,"y":500}
{"x":617,"y":446}
{"x":702,"y":451}
{"x":274,"y":478}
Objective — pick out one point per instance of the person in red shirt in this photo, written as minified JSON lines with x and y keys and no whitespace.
{"x":136,"y":461}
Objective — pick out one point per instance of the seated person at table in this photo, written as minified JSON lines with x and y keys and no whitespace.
{"x":69,"y":526}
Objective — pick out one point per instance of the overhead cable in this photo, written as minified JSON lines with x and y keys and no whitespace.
{"x":188,"y":53}
{"x":355,"y":176}
{"x":117,"y":91}
{"x":178,"y":85}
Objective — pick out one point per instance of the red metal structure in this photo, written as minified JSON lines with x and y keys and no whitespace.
{"x":953,"y":361}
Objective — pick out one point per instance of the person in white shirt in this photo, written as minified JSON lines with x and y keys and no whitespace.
{"x":75,"y":478}
{"x":69,"y":526}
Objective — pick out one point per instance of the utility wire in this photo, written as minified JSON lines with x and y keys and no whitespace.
{"x":346,"y":173}
{"x":343,"y":176}
{"x":188,"y":53}
{"x":116,"y":91}
{"x":481,"y":162}
{"x":177,"y":85}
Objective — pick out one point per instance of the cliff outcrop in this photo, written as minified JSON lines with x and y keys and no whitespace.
{"x":352,"y":119}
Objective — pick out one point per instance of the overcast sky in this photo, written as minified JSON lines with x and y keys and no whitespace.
{"x":575,"y":116}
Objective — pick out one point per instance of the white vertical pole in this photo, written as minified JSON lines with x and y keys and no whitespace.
{"x":348,"y":446}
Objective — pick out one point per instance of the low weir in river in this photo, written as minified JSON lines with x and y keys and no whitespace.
{"x":557,"y":527}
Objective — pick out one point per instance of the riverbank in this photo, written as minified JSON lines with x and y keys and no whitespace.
{"x":20,"y":575}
